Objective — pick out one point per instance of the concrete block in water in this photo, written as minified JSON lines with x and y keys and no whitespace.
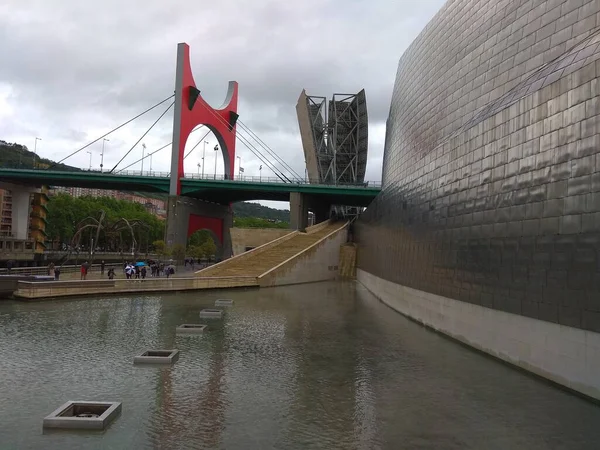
{"x":211,"y":314}
{"x":157,"y":357}
{"x":190,"y":328}
{"x":223,"y":302}
{"x":83,"y":415}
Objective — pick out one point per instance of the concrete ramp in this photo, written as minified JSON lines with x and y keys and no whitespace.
{"x":277,"y":254}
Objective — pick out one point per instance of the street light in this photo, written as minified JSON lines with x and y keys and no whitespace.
{"x":150,"y":163}
{"x":239,"y":166}
{"x":143,"y":150}
{"x":203,"y":155}
{"x":216,"y":149}
{"x":35,"y":149}
{"x":260,"y":173}
{"x":90,"y":153}
{"x":199,"y":165}
{"x":102,"y":155}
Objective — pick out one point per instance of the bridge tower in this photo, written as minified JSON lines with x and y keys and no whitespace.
{"x":187,"y":215}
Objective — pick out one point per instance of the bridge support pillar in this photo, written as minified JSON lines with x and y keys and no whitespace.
{"x":298,"y":211}
{"x":186,"y":215}
{"x":300,"y":204}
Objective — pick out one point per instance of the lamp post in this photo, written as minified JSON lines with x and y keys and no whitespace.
{"x":150,"y":163}
{"x":143,"y":150}
{"x":102,"y":155}
{"x":260,"y":173}
{"x":203,"y":155}
{"x":239,"y":167}
{"x":35,"y":150}
{"x":90,"y":153}
{"x":216,"y":149}
{"x":199,"y":165}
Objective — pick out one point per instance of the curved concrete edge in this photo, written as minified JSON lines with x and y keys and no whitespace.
{"x":268,"y":278}
{"x":564,"y":355}
{"x":47,"y":290}
{"x":261,"y":248}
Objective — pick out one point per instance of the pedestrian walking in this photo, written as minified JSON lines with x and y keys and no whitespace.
{"x":51,"y":269}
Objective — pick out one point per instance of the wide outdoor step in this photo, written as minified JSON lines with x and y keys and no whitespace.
{"x":261,"y":262}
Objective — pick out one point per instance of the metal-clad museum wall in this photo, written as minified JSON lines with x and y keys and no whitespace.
{"x":491,"y":168}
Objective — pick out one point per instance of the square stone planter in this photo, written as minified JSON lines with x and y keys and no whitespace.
{"x":211,"y":314}
{"x":190,"y":328}
{"x":83,"y":415}
{"x":223,"y":302}
{"x":157,"y":357}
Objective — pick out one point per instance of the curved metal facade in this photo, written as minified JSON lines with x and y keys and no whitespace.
{"x":491,"y":174}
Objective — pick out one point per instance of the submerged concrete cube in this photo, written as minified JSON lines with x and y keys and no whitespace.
{"x":157,"y":357}
{"x":190,"y":328}
{"x":223,"y":302}
{"x":211,"y":314}
{"x":83,"y":415}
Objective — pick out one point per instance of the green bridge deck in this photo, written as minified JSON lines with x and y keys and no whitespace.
{"x":217,"y":191}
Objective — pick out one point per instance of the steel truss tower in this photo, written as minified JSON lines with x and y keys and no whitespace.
{"x":334,"y":137}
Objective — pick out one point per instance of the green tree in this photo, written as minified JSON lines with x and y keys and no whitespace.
{"x":195,"y":251}
{"x":66,"y":212}
{"x":178,"y":252}
{"x":160,"y":248}
{"x":208,"y":248}
{"x":198,"y":238}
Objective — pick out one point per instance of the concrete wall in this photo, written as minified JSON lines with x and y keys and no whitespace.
{"x":253,"y":237}
{"x":565,"y":355}
{"x":319,"y":262}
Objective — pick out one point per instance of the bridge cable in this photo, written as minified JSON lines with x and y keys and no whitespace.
{"x":255,"y":151}
{"x":269,"y":150}
{"x":142,"y":137}
{"x":197,"y":144}
{"x":111,"y":131}
{"x":155,"y":151}
{"x":149,"y":154}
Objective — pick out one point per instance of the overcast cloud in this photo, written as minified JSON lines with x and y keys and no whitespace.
{"x":71,"y":70}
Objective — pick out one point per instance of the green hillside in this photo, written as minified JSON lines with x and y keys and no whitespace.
{"x":17,"y":156}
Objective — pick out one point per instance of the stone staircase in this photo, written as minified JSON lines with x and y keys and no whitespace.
{"x":257,"y":262}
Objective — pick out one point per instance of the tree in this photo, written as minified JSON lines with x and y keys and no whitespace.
{"x":209,"y":248}
{"x":178,"y":252}
{"x":65,"y":212}
{"x":195,"y":251}
{"x":198,"y":238}
{"x":160,"y":248}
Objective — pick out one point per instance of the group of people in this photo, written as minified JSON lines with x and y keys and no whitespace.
{"x":131,"y":270}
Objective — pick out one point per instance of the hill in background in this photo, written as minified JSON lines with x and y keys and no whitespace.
{"x":18,"y":156}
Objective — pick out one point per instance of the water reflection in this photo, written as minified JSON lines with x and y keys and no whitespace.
{"x":312,"y":366}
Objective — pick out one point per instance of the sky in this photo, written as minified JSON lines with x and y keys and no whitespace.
{"x":72,"y":70}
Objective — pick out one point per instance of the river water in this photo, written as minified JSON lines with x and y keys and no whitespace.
{"x":312,"y":366}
